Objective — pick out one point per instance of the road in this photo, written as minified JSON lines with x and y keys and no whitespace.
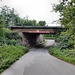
{"x":39,"y":62}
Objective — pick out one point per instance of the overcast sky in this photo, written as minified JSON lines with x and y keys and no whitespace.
{"x":35,"y":9}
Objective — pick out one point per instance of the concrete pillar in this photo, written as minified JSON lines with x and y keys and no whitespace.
{"x":23,"y":37}
{"x":39,"y":38}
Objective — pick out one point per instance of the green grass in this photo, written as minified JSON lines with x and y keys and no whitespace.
{"x":65,"y":54}
{"x":43,"y":42}
{"x":49,"y":37}
{"x":9,"y":54}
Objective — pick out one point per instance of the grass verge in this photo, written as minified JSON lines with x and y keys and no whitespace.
{"x":65,"y":54}
{"x":49,"y":37}
{"x":9,"y":54}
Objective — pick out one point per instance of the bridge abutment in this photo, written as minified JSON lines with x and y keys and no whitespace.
{"x":39,"y":38}
{"x":33,"y":39}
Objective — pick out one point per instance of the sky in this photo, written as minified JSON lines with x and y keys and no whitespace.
{"x":34,"y":9}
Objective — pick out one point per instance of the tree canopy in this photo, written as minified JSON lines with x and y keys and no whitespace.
{"x":12,"y":19}
{"x":66,"y":8}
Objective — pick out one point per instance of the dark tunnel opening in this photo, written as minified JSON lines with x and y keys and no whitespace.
{"x":31,"y":37}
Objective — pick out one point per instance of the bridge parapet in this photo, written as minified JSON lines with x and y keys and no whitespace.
{"x":34,"y":29}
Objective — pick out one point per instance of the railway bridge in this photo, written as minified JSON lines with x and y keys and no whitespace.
{"x":34,"y":33}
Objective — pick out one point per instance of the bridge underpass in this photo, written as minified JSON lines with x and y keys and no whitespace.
{"x":34,"y":39}
{"x":39,"y":62}
{"x":31,"y":37}
{"x":33,"y":33}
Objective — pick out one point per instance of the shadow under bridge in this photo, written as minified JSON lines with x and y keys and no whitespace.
{"x":33,"y":38}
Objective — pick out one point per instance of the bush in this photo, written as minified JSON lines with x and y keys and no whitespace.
{"x":64,"y":54}
{"x":11,"y":42}
{"x":7,"y":41}
{"x":49,"y":37}
{"x":11,"y":35}
{"x":9,"y":54}
{"x":65,"y":41}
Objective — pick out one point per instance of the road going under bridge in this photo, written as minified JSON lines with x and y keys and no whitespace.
{"x":34,"y":33}
{"x":38,"y":61}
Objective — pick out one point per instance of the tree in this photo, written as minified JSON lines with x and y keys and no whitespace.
{"x":34,"y":22}
{"x":2,"y":23}
{"x":8,"y":15}
{"x":12,"y":19}
{"x":42,"y":23}
{"x":18,"y":21}
{"x":66,"y":8}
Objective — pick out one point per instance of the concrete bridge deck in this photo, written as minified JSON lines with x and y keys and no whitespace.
{"x":34,"y":27}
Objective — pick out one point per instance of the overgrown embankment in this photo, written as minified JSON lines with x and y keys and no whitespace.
{"x":9,"y":54}
{"x":10,"y":50}
{"x":64,"y":50}
{"x":65,"y":54}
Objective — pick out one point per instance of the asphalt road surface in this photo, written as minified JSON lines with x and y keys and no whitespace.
{"x":39,"y":62}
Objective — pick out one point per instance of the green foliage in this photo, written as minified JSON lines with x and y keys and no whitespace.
{"x":9,"y":54}
{"x":2,"y":22}
{"x":9,"y":37}
{"x":29,"y":23}
{"x":65,"y":50}
{"x":65,"y":40}
{"x":7,"y":41}
{"x":59,"y":7}
{"x":56,"y":35}
{"x":67,"y":55}
{"x":42,"y":23}
{"x":8,"y":15}
{"x":19,"y":21}
{"x":11,"y":34}
{"x":10,"y":42}
{"x":10,"y":51}
{"x":9,"y":18}
{"x":1,"y":32}
{"x":66,"y":9}
{"x":26,"y":22}
{"x":49,"y":37}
